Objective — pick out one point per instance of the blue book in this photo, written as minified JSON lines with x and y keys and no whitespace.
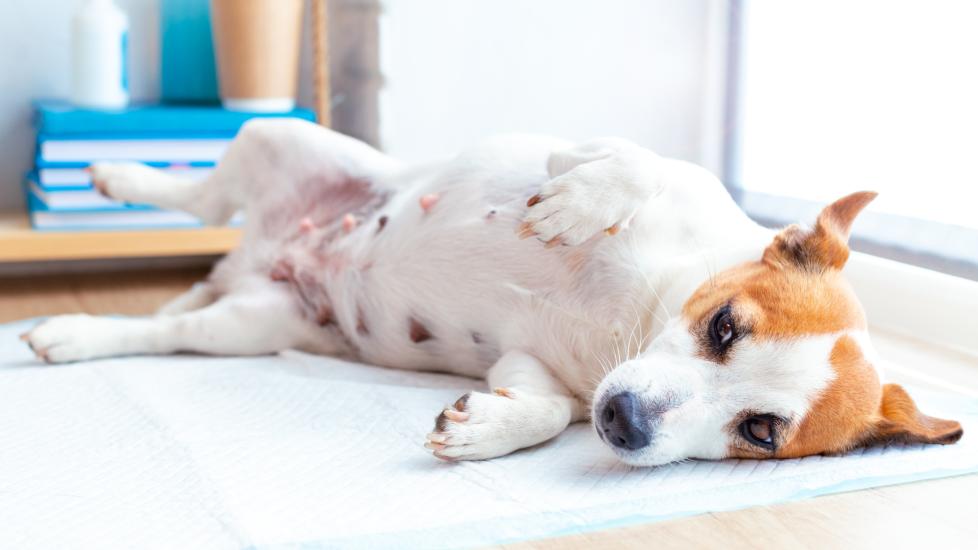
{"x":59,"y":118}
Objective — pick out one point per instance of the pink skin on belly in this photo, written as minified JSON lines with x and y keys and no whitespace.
{"x":313,"y":247}
{"x":308,"y":247}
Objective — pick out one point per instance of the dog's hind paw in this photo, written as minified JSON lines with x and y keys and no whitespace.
{"x":68,"y":338}
{"x":122,"y":181}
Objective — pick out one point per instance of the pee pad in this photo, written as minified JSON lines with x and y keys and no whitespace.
{"x":304,"y":451}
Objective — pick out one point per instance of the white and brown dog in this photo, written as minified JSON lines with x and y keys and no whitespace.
{"x":646,"y":300}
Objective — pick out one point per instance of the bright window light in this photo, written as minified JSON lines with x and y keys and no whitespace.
{"x":841,"y":95}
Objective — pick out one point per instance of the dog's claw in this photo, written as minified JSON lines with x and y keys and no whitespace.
{"x":613,"y":230}
{"x":25,"y":337}
{"x":534,"y":200}
{"x":455,"y":416}
{"x":437,"y":438}
{"x":503,"y":392}
{"x":434,"y":446}
{"x":443,"y":457}
{"x":525,"y":230}
{"x":553,"y":242}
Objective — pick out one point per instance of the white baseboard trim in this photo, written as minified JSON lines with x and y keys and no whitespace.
{"x":926,"y":305}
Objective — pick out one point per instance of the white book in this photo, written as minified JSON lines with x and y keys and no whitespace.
{"x":122,"y":219}
{"x":73,"y":199}
{"x":145,"y":150}
{"x":76,"y":177}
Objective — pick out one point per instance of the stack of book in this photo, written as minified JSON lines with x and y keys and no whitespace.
{"x":187,"y":140}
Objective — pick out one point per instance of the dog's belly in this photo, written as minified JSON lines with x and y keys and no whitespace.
{"x":454,"y":288}
{"x":436,"y":278}
{"x":435,"y":284}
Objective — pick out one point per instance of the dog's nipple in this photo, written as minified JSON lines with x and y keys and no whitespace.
{"x":428,"y":201}
{"x":324,"y":315}
{"x":349,"y":223}
{"x":282,"y":271}
{"x":418,"y":332}
{"x":306,"y":225}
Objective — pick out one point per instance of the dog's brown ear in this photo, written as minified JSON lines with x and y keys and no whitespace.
{"x":825,"y":246}
{"x":901,"y":421}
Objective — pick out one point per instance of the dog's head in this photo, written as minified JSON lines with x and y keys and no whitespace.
{"x":768,"y":359}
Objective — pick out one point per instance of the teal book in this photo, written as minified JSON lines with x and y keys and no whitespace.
{"x":60,"y":118}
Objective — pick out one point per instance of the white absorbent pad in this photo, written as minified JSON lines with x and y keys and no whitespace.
{"x":304,"y":451}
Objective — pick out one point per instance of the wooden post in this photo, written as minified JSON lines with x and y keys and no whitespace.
{"x":320,"y":59}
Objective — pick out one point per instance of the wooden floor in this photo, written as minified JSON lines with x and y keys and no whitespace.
{"x":934,"y":514}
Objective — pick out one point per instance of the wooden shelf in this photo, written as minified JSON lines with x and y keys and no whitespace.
{"x":20,"y":243}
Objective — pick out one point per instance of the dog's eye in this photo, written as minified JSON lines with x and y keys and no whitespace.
{"x":759,"y":430}
{"x":722,"y":329}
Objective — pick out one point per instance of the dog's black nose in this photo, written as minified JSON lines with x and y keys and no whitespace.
{"x":621,"y":422}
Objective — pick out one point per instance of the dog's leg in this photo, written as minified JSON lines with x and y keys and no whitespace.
{"x":140,"y":184}
{"x":255,"y":322}
{"x":200,"y":295}
{"x":278,"y":159}
{"x":528,"y":406}
{"x":596,"y":187}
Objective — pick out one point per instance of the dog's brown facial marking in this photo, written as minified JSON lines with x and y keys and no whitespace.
{"x":769,"y":303}
{"x":844,"y":410}
{"x":797,"y":291}
{"x":855,"y":410}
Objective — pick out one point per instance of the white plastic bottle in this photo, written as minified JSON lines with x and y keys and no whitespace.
{"x":99,"y":36}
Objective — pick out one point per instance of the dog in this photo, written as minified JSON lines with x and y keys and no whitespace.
{"x":594,"y":280}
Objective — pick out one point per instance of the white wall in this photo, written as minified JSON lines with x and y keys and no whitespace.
{"x":458,"y":70}
{"x":455,"y":71}
{"x":34,"y":62}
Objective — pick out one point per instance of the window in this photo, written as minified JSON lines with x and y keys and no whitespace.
{"x":836,"y":96}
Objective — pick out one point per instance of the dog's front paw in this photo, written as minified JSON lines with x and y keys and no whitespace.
{"x":574,"y":207}
{"x":481,"y":425}
{"x":68,"y":338}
